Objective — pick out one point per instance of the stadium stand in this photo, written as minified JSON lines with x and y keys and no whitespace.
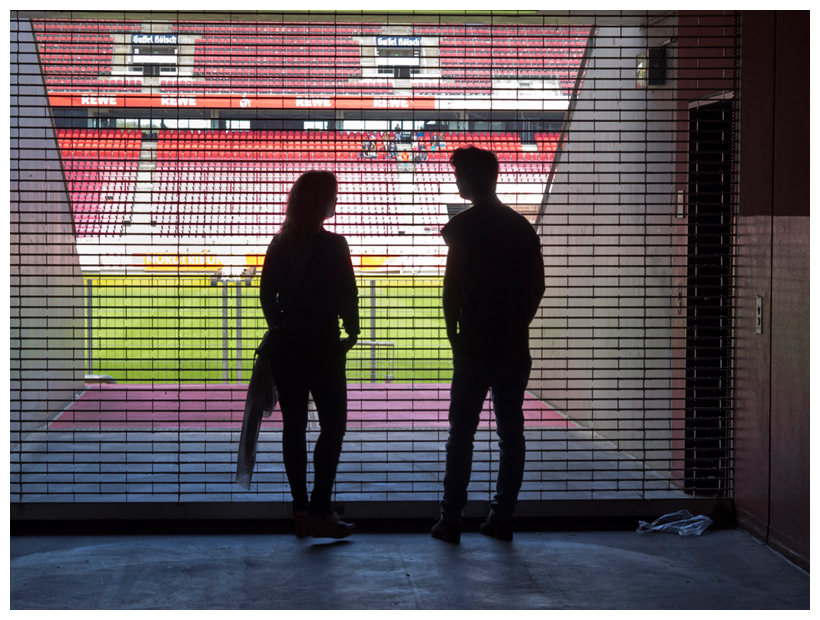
{"x":236,"y":182}
{"x":229,"y":182}
{"x":511,"y":53}
{"x":278,"y":55}
{"x":86,"y":26}
{"x":77,"y":83}
{"x":291,"y":28}
{"x":202,"y":176}
{"x":101,"y":169}
{"x":302,"y":58}
{"x":547,"y":144}
{"x":69,"y":54}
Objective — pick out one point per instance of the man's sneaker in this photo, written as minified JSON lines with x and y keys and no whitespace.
{"x":448,"y":531}
{"x":502,"y":530}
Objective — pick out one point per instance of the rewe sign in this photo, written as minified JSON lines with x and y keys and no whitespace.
{"x":99,"y":100}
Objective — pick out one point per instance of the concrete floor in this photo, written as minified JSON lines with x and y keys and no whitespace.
{"x":722,"y":569}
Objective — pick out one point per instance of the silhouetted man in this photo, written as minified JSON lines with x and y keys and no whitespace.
{"x":493,"y":284}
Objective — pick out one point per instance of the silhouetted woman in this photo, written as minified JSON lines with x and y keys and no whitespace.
{"x":307,"y":284}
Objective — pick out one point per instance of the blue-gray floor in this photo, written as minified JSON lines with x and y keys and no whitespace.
{"x":723,"y":569}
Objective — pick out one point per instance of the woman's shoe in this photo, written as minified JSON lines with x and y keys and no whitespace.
{"x":330,"y":526}
{"x":302,"y":523}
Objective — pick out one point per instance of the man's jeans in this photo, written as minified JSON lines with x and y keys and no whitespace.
{"x":471,"y":380}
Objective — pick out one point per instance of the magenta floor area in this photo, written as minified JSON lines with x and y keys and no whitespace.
{"x":212,"y":406}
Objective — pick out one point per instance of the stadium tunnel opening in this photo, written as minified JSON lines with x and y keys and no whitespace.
{"x":161,"y":188}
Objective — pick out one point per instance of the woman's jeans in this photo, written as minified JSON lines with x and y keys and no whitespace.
{"x":471,"y":379}
{"x":323,"y":375}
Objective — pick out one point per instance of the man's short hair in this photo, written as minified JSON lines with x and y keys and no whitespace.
{"x":478,"y":166}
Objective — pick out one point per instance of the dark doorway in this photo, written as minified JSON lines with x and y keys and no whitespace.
{"x":709,"y":365}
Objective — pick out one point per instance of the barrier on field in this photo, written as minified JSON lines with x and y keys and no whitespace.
{"x":370,"y":361}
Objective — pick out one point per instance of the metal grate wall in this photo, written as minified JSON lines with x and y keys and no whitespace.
{"x":152,"y":154}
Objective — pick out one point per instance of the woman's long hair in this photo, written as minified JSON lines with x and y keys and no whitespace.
{"x":308,"y":204}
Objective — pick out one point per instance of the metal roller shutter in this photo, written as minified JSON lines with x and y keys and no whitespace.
{"x":151,"y":158}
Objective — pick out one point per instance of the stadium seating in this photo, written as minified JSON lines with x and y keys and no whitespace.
{"x":86,"y":26}
{"x":277,"y":55}
{"x":317,"y":58}
{"x":101,"y":169}
{"x":76,"y":53}
{"x":291,"y":28}
{"x":547,"y":144}
{"x":497,"y":55}
{"x":235,"y":183}
{"x":79,"y":83}
{"x":506,"y":145}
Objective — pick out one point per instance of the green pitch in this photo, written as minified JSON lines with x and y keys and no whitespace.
{"x":171,"y":329}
